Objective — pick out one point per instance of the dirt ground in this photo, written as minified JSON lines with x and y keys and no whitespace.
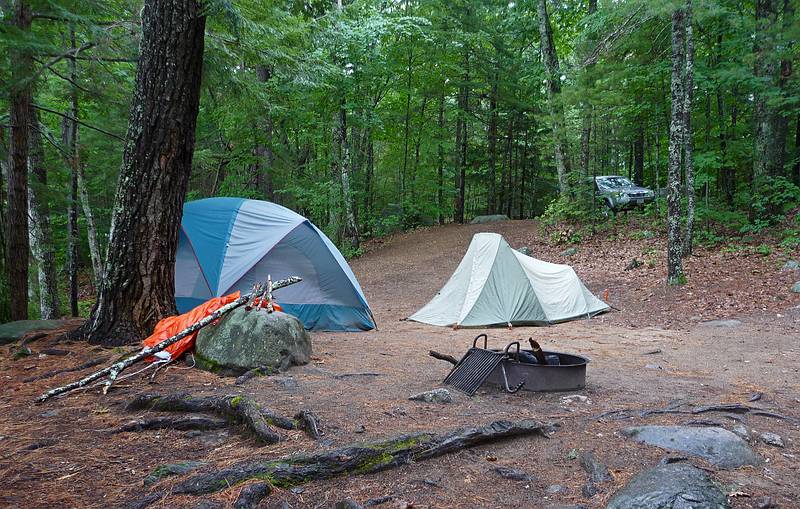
{"x":61,"y":454}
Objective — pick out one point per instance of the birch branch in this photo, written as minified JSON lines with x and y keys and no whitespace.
{"x":115,"y":369}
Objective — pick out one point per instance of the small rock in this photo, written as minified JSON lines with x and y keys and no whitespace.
{"x":575,"y":398}
{"x":653,"y":366}
{"x":764,"y":503}
{"x":790,"y":265}
{"x":596,"y":470}
{"x":347,"y":504}
{"x":512,"y":474}
{"x":434,"y":396}
{"x":570,"y":251}
{"x":297,"y":490}
{"x":378,"y":501}
{"x":796,"y":287}
{"x":360,"y":429}
{"x":524,"y":250}
{"x":555,"y":488}
{"x":756,"y":396}
{"x":772,"y":439}
{"x":49,"y":413}
{"x":741,"y":430}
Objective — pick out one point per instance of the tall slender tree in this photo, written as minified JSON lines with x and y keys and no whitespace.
{"x":676,"y":135}
{"x":139,"y":284}
{"x":688,"y":141}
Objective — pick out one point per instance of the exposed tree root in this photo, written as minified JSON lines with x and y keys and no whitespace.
{"x":729,"y":408}
{"x":51,"y":374}
{"x":191,"y":422}
{"x":355,"y":459}
{"x":251,"y":495}
{"x":238,"y":408}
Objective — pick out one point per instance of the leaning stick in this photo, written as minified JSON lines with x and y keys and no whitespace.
{"x":115,"y":369}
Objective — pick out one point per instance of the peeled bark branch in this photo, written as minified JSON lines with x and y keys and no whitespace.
{"x":355,"y":459}
{"x":114,"y":370}
{"x":443,"y":357}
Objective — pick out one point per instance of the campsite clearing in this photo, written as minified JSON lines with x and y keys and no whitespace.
{"x":660,"y":350}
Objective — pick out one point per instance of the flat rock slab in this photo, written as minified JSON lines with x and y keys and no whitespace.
{"x":491,"y":218}
{"x":674,"y":486}
{"x":14,"y":331}
{"x":718,"y":446}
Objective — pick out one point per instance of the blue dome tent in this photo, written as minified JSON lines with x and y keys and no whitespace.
{"x":228,"y":244}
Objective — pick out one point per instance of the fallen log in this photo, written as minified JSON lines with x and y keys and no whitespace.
{"x":113,"y":371}
{"x":251,"y":495}
{"x":357,"y":459}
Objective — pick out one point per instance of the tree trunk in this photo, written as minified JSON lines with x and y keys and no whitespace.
{"x":406,"y":126}
{"x":688,"y":142}
{"x":440,"y":169}
{"x":638,"y":155}
{"x":350,"y":232}
{"x":91,"y":229}
{"x":524,"y":164}
{"x":491,"y":201}
{"x":462,"y":143}
{"x":553,"y":73}
{"x":70,"y":137}
{"x":41,"y":238}
{"x":797,"y":150}
{"x":139,"y":286}
{"x":264,"y":152}
{"x":764,"y":154}
{"x":780,"y":121}
{"x":674,"y":265}
{"x":17,"y":246}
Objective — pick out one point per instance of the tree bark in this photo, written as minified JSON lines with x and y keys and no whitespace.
{"x":91,"y":229}
{"x":674,"y":249}
{"x":553,"y":74}
{"x":350,"y":232}
{"x":688,"y":141}
{"x":70,"y":135}
{"x":17,"y":245}
{"x":265,"y":159}
{"x":638,"y":155}
{"x":491,"y":201}
{"x":41,"y":237}
{"x":139,"y":284}
{"x":764,"y":154}
{"x":440,"y":168}
{"x":462,"y":143}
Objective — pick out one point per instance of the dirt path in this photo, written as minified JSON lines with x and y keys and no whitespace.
{"x":696,"y":361}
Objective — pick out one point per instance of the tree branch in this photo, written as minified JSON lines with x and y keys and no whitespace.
{"x":84,"y":124}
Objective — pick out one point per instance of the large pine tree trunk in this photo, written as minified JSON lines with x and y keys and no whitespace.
{"x":553,"y":73}
{"x":41,"y":237}
{"x":688,"y":143}
{"x":17,"y":247}
{"x":674,"y":251}
{"x":139,"y":285}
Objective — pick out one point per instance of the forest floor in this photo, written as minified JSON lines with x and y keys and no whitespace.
{"x":60,"y":454}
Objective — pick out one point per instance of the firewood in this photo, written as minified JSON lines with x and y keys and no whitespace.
{"x":113,"y":371}
{"x":443,"y":357}
{"x":354,"y":459}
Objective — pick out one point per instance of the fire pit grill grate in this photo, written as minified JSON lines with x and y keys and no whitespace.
{"x":475,"y":367}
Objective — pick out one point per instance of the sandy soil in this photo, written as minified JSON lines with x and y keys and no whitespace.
{"x":79,"y":464}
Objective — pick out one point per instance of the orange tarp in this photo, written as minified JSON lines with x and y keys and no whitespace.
{"x":172,"y":325}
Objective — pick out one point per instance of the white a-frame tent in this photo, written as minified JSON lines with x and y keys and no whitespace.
{"x":497,"y":285}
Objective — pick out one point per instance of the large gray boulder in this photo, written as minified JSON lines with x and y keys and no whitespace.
{"x":718,"y":446}
{"x":673,"y":486}
{"x":245,"y":340}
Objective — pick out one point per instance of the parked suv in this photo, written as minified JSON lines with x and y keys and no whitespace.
{"x":618,"y":193}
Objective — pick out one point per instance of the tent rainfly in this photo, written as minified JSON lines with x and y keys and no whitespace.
{"x":228,"y":244}
{"x":497,"y":285}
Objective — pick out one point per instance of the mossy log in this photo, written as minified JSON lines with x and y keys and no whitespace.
{"x":243,"y":409}
{"x":355,"y":459}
